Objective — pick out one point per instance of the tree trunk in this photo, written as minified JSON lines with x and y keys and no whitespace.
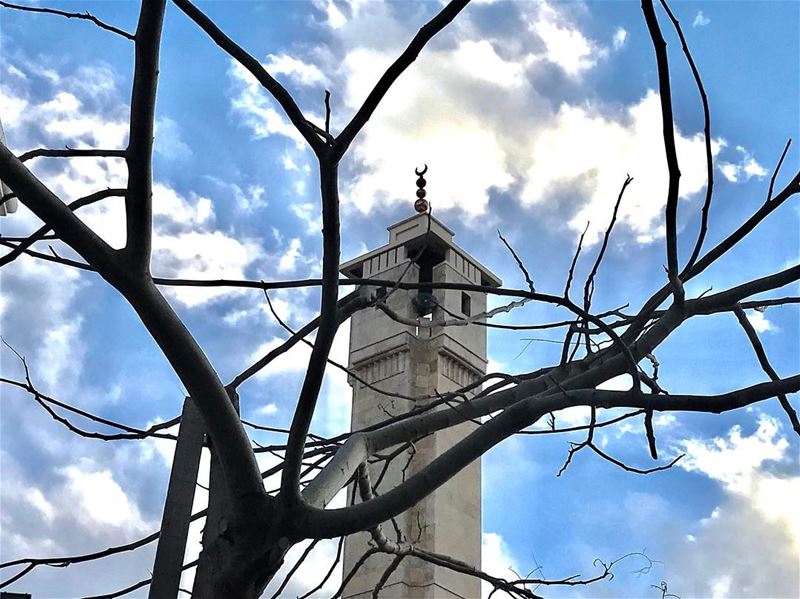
{"x":241,"y":560}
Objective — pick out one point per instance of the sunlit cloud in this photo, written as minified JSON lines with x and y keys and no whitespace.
{"x":751,"y":540}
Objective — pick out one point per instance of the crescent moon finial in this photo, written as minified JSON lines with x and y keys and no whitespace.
{"x":419,"y":173}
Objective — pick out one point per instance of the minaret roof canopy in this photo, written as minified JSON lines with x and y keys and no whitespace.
{"x":412,"y":233}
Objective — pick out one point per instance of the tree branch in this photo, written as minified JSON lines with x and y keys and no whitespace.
{"x":71,"y":153}
{"x":706,"y":138}
{"x":668,"y":128}
{"x":70,"y":15}
{"x":758,"y":348}
{"x":139,"y":156}
{"x":523,"y":413}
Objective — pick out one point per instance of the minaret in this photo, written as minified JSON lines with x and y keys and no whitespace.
{"x":419,"y":361}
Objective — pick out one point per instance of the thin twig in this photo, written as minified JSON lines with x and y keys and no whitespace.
{"x":571,"y":272}
{"x":329,"y":573}
{"x":520,"y":265}
{"x":777,"y":169}
{"x":588,"y":288}
{"x":297,"y":564}
{"x":138,"y":585}
{"x":327,"y":112}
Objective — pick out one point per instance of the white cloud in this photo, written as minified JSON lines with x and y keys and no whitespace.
{"x":259,"y":110}
{"x":288,"y":260}
{"x":289,"y":163}
{"x":15,"y":72}
{"x":752,"y":168}
{"x":497,"y":560}
{"x":171,"y":209}
{"x":63,"y":103}
{"x":743,"y":170}
{"x":310,"y":573}
{"x":569,"y":417}
{"x":90,"y":130}
{"x":494,"y":366}
{"x":269,"y":409}
{"x":760,"y":322}
{"x":623,"y":382}
{"x":420,"y":123}
{"x":186,"y":245}
{"x":751,"y":539}
{"x":58,"y":350}
{"x":12,"y":107}
{"x":250,"y":199}
{"x":246,"y":199}
{"x":729,"y":170}
{"x":336,"y":18}
{"x":71,"y":117}
{"x":310,"y":215}
{"x":205,"y":255}
{"x":566,"y":46}
{"x":485,"y":127}
{"x":620,"y":38}
{"x":297,"y":70}
{"x":479,"y":60}
{"x":97,"y":499}
{"x":38,"y":500}
{"x":735,"y":461}
{"x":735,"y":552}
{"x":40,"y":302}
{"x":664,"y":419}
{"x":293,"y":361}
{"x":700,"y":20}
{"x":585,"y":148}
{"x":168,"y":140}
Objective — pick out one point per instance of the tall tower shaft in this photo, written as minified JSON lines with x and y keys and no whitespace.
{"x":419,"y":360}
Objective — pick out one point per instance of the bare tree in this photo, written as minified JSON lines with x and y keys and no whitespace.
{"x":261,"y":525}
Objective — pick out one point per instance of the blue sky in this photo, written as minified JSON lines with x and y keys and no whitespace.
{"x":529,"y":116}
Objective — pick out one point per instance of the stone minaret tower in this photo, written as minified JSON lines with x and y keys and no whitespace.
{"x":420,"y":361}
